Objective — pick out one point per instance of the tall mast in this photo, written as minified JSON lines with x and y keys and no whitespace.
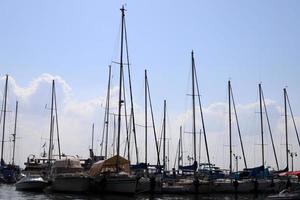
{"x":199,"y":156}
{"x":178,"y":160}
{"x":114,"y":136}
{"x":51,"y":126}
{"x":181,"y":145}
{"x":286,"y":129}
{"x":120,"y":89}
{"x":164,"y":136}
{"x":93,"y":129}
{"x":4,"y":117}
{"x":130,"y":91}
{"x":15,"y":133}
{"x":146,"y":117}
{"x":229,"y":113}
{"x":202,"y":118}
{"x":194,"y":113}
{"x":56,"y":118}
{"x":261,"y":125}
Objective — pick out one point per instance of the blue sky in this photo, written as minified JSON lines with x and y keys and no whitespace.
{"x":246,"y":41}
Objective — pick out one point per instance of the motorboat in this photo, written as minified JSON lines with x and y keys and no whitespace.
{"x":67,"y":175}
{"x":31,"y":182}
{"x":286,"y":194}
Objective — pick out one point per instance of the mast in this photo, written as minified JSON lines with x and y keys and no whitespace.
{"x":114,"y":136}
{"x":181,"y":145}
{"x":194,"y":113}
{"x":230,"y":141}
{"x":199,"y":157}
{"x":261,"y":125}
{"x":93,"y":128}
{"x":130,"y":91}
{"x":51,"y":127}
{"x":286,"y":129}
{"x":146,"y":117}
{"x":15,"y":133}
{"x":164,"y":136}
{"x":56,"y":118}
{"x":202,"y":118}
{"x":4,"y":117}
{"x":177,"y":156}
{"x":120,"y":90}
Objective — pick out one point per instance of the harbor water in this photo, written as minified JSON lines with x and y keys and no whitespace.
{"x":9,"y":192}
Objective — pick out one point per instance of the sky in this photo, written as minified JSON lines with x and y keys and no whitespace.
{"x":74,"y":41}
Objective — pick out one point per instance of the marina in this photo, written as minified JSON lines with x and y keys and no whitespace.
{"x":135,"y":155}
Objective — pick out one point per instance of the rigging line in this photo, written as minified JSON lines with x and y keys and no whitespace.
{"x":293,"y":119}
{"x":127,"y":142}
{"x":161,"y":135}
{"x":194,"y":113}
{"x":107,"y":113}
{"x":177,"y":154}
{"x":130,"y":133}
{"x":230,"y":128}
{"x":57,"y":129}
{"x":120,"y":90}
{"x":2,"y":109}
{"x":51,"y":126}
{"x":4,"y":117}
{"x":125,"y":110}
{"x":130,"y":90}
{"x":261,"y":124}
{"x":153,"y":123}
{"x":146,"y":119}
{"x":104,"y":127}
{"x":238,"y":127}
{"x":270,"y":131}
{"x":202,"y":118}
{"x":181,"y":145}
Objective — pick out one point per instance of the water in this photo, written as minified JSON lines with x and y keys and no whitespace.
{"x":8,"y":192}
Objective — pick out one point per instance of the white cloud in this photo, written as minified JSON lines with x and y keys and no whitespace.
{"x":76,"y":118}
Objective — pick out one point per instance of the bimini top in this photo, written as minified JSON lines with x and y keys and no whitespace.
{"x":109,"y":165}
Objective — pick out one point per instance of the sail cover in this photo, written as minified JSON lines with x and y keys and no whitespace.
{"x":109,"y":165}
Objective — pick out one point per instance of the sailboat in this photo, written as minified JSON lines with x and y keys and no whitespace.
{"x":114,"y":172}
{"x":66,"y":173}
{"x":150,"y":178}
{"x":9,"y":173}
{"x":191,"y":180}
{"x":37,"y":170}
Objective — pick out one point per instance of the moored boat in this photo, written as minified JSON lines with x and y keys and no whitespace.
{"x":31,"y":182}
{"x":67,"y":176}
{"x":286,"y":194}
{"x":108,"y":180}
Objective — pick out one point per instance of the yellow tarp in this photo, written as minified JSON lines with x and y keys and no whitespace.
{"x":109,"y":165}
